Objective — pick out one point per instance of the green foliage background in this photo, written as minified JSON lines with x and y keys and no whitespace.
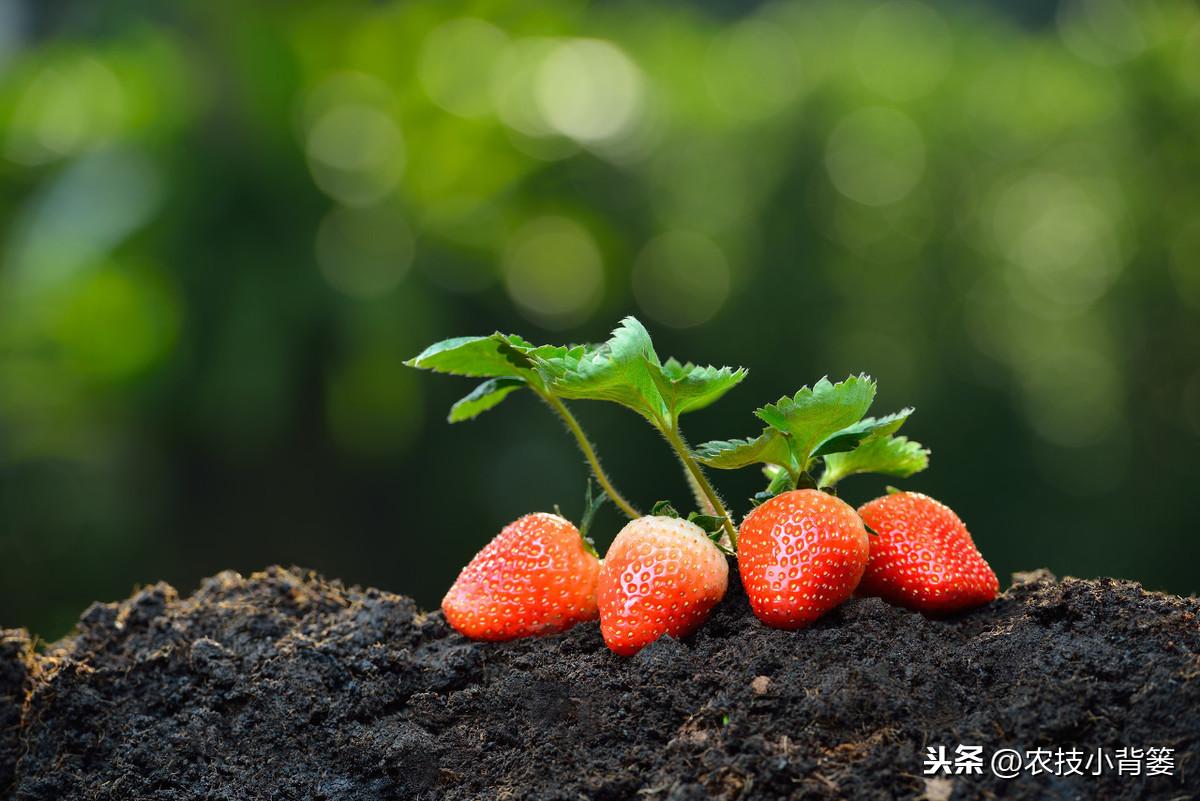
{"x":225,"y":225}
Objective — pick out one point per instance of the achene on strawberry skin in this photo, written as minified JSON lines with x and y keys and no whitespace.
{"x":800,"y":554}
{"x":661,"y":575}
{"x":924,"y":558}
{"x":535,"y":577}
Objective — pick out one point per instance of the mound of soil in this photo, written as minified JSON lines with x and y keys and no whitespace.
{"x":285,"y":685}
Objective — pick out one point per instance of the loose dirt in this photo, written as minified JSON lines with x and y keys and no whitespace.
{"x":285,"y":685}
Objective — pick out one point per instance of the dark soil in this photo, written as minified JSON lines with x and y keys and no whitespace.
{"x":287,"y":686}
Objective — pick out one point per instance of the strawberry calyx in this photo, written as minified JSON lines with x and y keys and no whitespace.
{"x":591,"y":505}
{"x":713,"y":526}
{"x":663,"y":509}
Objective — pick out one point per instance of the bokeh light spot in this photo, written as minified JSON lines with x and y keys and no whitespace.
{"x":116,"y":323}
{"x":1101,"y":31}
{"x":67,"y":107}
{"x":1058,"y":240}
{"x":364,"y":253}
{"x":589,"y":90}
{"x":1072,"y":394}
{"x":75,"y":220}
{"x":875,"y":156}
{"x":682,"y":178}
{"x":513,"y":88}
{"x":353,"y":137}
{"x":903,"y":49}
{"x":753,"y":70}
{"x":681,"y":278}
{"x":554,"y":272}
{"x":356,"y":153}
{"x":458,"y":62}
{"x":354,"y":144}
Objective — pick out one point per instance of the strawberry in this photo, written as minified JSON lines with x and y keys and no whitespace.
{"x":924,"y":557}
{"x":537,"y":576}
{"x":800,"y":554}
{"x":662,"y":575}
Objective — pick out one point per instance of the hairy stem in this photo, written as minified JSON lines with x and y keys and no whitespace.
{"x":589,"y":453}
{"x":698,"y":493}
{"x":701,"y":481}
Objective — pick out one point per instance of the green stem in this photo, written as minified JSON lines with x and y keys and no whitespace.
{"x":701,"y":481}
{"x":589,"y":453}
{"x":698,"y":493}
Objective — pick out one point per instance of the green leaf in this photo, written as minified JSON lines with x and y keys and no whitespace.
{"x":619,"y":371}
{"x":730,"y":454}
{"x":885,"y":454}
{"x":688,"y":387}
{"x":849,"y":437}
{"x":484,"y":397}
{"x":627,"y":370}
{"x":811,"y":416}
{"x":826,"y":417}
{"x":507,"y":360}
{"x":495,"y":356}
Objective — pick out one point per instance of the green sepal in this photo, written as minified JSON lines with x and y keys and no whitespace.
{"x":663,"y":509}
{"x":591,"y":505}
{"x":759,"y":498}
{"x":718,"y":540}
{"x":712,"y":524}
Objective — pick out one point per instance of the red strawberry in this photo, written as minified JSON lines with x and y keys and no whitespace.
{"x":924,"y":557}
{"x":662,"y":575}
{"x":800,"y":554}
{"x":535,"y":577}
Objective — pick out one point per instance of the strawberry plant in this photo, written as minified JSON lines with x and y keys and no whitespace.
{"x":801,"y":550}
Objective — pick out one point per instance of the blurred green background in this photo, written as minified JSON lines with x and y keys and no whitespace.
{"x":226,"y":224}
